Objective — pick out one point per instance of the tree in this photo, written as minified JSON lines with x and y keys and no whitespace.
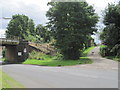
{"x":111,"y":33}
{"x":21,"y":26}
{"x":71,"y":23}
{"x":31,"y":27}
{"x":42,"y":33}
{"x":112,"y":15}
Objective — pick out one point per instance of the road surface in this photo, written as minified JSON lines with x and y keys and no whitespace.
{"x":99,"y":62}
{"x":78,"y":76}
{"x":0,"y":62}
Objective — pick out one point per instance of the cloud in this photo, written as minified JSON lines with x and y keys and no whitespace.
{"x":35,"y":9}
{"x":100,"y":5}
{"x":2,"y":32}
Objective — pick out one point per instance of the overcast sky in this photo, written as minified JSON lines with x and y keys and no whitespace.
{"x":36,"y":9}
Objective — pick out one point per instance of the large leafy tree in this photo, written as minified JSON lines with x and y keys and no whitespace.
{"x":21,"y":26}
{"x":31,"y":27}
{"x":111,"y":33}
{"x":71,"y":23}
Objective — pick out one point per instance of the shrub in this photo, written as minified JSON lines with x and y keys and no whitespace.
{"x":3,"y":52}
{"x":110,"y":51}
{"x":58,"y":56}
{"x":116,"y":50}
{"x":104,"y":51}
{"x":35,"y":55}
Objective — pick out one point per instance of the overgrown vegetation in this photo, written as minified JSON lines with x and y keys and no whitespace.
{"x":42,"y":34}
{"x":113,"y":58}
{"x":111,"y":33}
{"x":3,"y":53}
{"x":86,"y":51}
{"x":8,"y":82}
{"x":38,"y":58}
{"x":103,"y":52}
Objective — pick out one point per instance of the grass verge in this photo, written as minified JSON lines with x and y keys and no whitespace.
{"x":86,"y":51}
{"x":53,"y":62}
{"x":37,"y":58}
{"x":8,"y":82}
{"x":0,"y":80}
{"x":2,"y":59}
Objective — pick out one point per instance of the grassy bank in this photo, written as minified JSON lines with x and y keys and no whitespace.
{"x":36,"y":58}
{"x":86,"y":51}
{"x":52,"y":62}
{"x":8,"y":82}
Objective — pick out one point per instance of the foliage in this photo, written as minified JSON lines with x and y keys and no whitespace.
{"x":110,"y":36}
{"x":42,"y":33}
{"x":89,"y":42}
{"x":114,"y":58}
{"x":104,"y":51}
{"x":48,"y":61}
{"x":3,"y":53}
{"x":116,"y":49}
{"x":21,"y":26}
{"x":111,"y":33}
{"x":71,"y":24}
{"x":24,"y":27}
{"x":102,"y":46}
{"x":58,"y":56}
{"x":37,"y":58}
{"x":112,"y":15}
{"x":86,"y":51}
{"x":36,"y":55}
{"x":31,"y":38}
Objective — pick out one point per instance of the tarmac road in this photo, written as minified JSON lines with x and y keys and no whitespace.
{"x":78,"y":76}
{"x":61,"y":77}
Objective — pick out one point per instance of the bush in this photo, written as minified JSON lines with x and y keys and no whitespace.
{"x":116,"y":50}
{"x":58,"y":56}
{"x":3,"y":53}
{"x":35,"y":55}
{"x":110,"y":51}
{"x":104,"y":51}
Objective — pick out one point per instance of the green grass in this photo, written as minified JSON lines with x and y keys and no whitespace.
{"x":2,"y":59}
{"x":0,"y":80}
{"x":102,"y":46}
{"x":37,"y":58}
{"x":8,"y":82}
{"x":86,"y":51}
{"x":48,"y":61}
